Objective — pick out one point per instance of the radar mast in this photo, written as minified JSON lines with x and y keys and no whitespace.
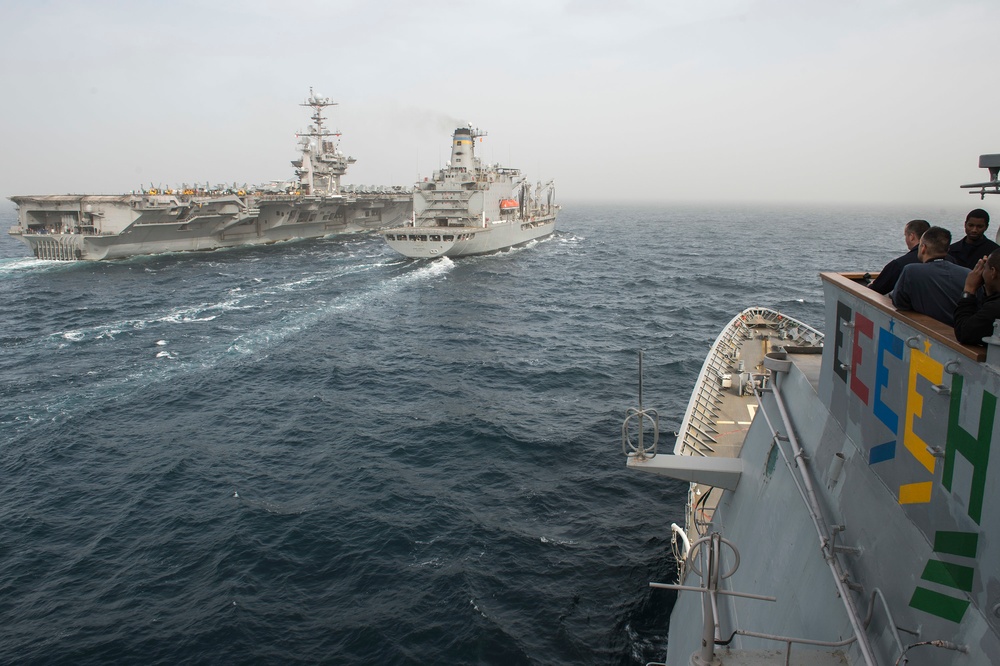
{"x":321,"y":163}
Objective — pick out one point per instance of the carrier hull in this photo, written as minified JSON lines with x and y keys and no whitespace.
{"x":94,"y":228}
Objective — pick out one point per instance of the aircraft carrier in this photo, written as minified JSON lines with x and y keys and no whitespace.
{"x":75,"y":227}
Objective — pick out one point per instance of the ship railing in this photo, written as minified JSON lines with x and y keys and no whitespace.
{"x":992,"y":163}
{"x":778,"y":363}
{"x":923,"y":324}
{"x":701,"y":513}
{"x":697,"y":435}
{"x":789,"y":641}
{"x":801,"y":474}
{"x":78,"y":231}
{"x":709,"y":550}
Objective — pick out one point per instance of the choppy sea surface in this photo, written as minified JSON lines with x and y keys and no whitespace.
{"x":321,"y":452}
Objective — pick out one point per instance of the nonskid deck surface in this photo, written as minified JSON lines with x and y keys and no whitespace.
{"x":724,"y":404}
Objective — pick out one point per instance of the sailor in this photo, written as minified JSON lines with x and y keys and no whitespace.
{"x":974,"y":319}
{"x":934,"y":286}
{"x":886,"y":279}
{"x":975,"y":245}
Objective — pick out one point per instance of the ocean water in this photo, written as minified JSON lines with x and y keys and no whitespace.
{"x":320,"y":452}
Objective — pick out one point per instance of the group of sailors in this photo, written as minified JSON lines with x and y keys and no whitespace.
{"x":955,"y":283}
{"x":50,"y":229}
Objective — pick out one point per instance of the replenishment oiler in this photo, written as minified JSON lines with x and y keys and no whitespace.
{"x":470,"y":208}
{"x":191,"y":217}
{"x":843,"y":496}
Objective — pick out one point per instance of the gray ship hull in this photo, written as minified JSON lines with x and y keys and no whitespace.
{"x":428,"y":242}
{"x":470,"y":208}
{"x":842,"y":500}
{"x":94,"y":228}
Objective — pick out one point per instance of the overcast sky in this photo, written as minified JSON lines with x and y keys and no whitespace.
{"x":875,"y":101}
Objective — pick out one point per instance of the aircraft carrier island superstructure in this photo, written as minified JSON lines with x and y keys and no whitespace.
{"x":200,"y":217}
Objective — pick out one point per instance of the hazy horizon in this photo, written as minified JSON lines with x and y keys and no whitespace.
{"x":739,"y":102}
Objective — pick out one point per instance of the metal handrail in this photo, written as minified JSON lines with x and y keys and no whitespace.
{"x":808,"y":494}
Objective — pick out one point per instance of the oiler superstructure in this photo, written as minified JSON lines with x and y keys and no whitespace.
{"x":470,"y":208}
{"x":202,"y":217}
{"x":843,"y":492}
